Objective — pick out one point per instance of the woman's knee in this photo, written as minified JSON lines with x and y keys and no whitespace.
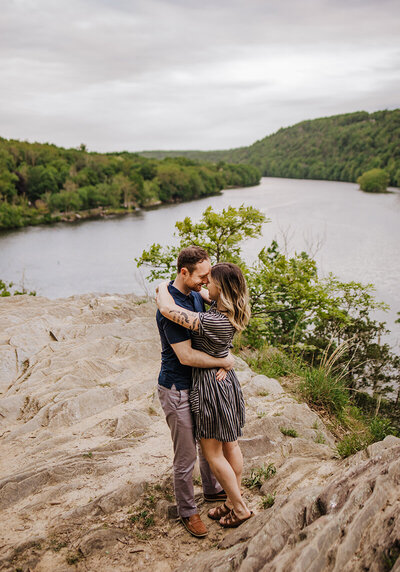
{"x":211,"y":448}
{"x":230,"y":447}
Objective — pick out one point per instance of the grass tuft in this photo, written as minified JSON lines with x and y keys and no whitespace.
{"x":321,"y":389}
{"x":289,"y":432}
{"x":319,"y":438}
{"x":259,"y":475}
{"x":267,"y":501}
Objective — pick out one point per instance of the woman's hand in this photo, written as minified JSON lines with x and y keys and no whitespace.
{"x":221,"y":374}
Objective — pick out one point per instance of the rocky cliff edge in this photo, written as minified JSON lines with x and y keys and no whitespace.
{"x":85,"y":464}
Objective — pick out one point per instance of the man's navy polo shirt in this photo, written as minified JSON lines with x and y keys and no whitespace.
{"x":172,"y":371}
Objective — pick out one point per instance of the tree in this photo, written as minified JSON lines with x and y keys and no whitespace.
{"x":131,"y":188}
{"x":64,"y":201}
{"x":292,"y":307}
{"x":40,"y":180}
{"x":221,"y":234}
{"x":374,"y":181}
{"x":8,"y":178}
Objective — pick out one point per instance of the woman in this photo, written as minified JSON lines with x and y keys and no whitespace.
{"x":217,"y":404}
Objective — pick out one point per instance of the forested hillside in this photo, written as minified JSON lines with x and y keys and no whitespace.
{"x":40,"y":182}
{"x":338,"y":148}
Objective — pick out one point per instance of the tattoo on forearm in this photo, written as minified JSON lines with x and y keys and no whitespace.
{"x":187,"y":319}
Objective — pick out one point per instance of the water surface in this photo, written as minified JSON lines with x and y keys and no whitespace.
{"x":355,"y":235}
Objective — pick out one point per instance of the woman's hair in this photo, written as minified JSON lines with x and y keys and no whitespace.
{"x":234,"y":296}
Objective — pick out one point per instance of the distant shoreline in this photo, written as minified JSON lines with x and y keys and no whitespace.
{"x":98,"y":213}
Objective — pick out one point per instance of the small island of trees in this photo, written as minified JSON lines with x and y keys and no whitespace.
{"x":374,"y":181}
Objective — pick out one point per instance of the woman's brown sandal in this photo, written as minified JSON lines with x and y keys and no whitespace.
{"x":218,"y":512}
{"x":231,"y":520}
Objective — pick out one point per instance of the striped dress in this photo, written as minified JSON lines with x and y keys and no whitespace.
{"x":217,"y":406}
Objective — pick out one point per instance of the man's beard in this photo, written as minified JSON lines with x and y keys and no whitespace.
{"x":196,"y":286}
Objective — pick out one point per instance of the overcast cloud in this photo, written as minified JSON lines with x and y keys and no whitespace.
{"x":184,"y":74}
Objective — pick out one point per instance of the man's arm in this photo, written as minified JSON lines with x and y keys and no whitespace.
{"x":189,"y":356}
{"x":170,"y":309}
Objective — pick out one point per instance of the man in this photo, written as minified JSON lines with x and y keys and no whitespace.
{"x":174,"y":381}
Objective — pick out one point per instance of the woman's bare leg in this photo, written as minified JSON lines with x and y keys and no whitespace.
{"x":233,"y":455}
{"x":220,"y":466}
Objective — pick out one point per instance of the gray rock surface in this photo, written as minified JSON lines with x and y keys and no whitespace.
{"x":349,"y":523}
{"x":85,"y":454}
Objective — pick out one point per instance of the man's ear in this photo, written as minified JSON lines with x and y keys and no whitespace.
{"x":184,"y":272}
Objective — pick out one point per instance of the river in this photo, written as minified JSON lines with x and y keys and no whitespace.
{"x":353,"y":234}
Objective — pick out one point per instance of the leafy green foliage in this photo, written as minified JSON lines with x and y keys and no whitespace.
{"x":352,"y":443}
{"x":40,"y":181}
{"x":371,"y":405}
{"x":8,"y":289}
{"x":326,"y":323}
{"x":374,"y":181}
{"x":371,"y":430}
{"x":380,"y":428}
{"x":354,"y":413}
{"x":282,"y":290}
{"x":221,"y":234}
{"x":292,"y":308}
{"x":144,"y":517}
{"x":338,"y":148}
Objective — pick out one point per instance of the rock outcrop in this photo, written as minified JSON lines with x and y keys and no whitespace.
{"x":85,"y":464}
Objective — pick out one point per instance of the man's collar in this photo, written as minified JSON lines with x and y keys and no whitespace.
{"x":177,"y":292}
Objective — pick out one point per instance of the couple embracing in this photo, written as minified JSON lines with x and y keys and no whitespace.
{"x":198,"y":389}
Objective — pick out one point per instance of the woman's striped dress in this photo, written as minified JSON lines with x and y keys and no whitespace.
{"x":217,"y":406}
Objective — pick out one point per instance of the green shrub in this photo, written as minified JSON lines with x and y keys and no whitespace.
{"x":374,"y":181}
{"x":11,"y":216}
{"x":350,"y":444}
{"x":380,"y":428}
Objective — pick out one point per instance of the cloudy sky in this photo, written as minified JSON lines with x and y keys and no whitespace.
{"x":190,"y":74}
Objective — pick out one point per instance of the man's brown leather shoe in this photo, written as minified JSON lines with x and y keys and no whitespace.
{"x":194,"y":525}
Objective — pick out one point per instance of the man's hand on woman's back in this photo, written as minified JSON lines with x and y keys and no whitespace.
{"x":229,"y":362}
